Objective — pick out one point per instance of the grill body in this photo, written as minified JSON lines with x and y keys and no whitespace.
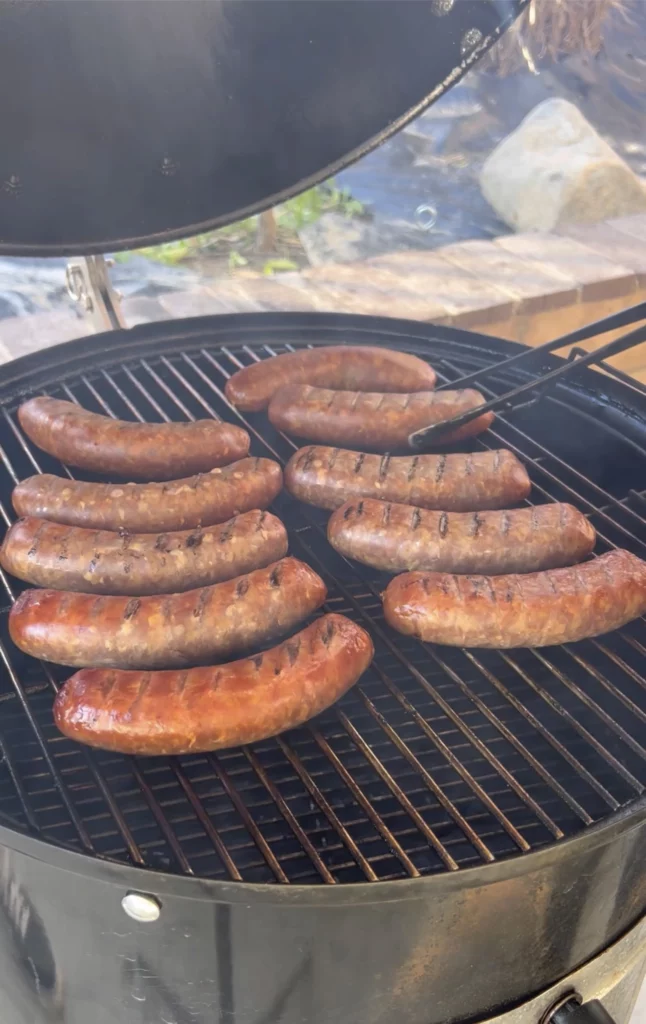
{"x":461,"y":831}
{"x":424,"y":951}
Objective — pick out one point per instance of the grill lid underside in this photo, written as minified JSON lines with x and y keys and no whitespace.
{"x":440,"y":758}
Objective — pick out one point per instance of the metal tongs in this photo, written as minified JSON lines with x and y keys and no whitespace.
{"x":518,"y":398}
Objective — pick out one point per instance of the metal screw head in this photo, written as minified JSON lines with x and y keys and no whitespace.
{"x":141,"y":907}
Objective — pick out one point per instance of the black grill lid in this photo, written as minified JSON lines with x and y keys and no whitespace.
{"x":125,"y":123}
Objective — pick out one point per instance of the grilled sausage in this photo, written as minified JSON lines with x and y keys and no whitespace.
{"x":543,"y":608}
{"x":344,"y":367}
{"x":200,"y":500}
{"x":327,"y":477}
{"x":168,"y":631}
{"x":222,"y":706}
{"x":140,"y":451}
{"x":397,"y":538}
{"x":102,"y":562}
{"x":376,"y":421}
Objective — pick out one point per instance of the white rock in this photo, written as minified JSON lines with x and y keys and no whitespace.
{"x":556,"y":169}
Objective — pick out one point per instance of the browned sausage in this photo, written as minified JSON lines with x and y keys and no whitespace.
{"x":554,"y":607}
{"x":344,"y":367}
{"x":168,"y":631}
{"x":328,"y":477}
{"x":369,"y":420}
{"x":397,"y":538}
{"x":222,"y":706}
{"x":140,"y":451}
{"x":200,"y":500}
{"x":102,"y":562}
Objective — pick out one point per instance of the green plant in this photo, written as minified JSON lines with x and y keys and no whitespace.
{"x":290,"y":216}
{"x":271,"y":266}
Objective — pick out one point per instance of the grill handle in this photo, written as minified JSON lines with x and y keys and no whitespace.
{"x":573,"y":1011}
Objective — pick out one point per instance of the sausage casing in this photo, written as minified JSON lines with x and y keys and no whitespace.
{"x":139,"y":451}
{"x":537,"y":610}
{"x":200,"y":500}
{"x":103,"y":562}
{"x":343,"y":367}
{"x":397,"y":538}
{"x":222,"y":706}
{"x":328,"y":477}
{"x":167,"y":631}
{"x":371,"y":420}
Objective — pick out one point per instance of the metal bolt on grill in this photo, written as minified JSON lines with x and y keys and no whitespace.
{"x":438,"y":760}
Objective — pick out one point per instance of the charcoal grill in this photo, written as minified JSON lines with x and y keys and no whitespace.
{"x":457,"y":805}
{"x":462,"y":836}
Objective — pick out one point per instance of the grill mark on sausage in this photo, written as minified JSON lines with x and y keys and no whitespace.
{"x":551,"y":582}
{"x":357,"y":396}
{"x":143,"y":686}
{"x":505,"y":523}
{"x":331,"y":401}
{"x":441,"y":466}
{"x":535,"y":518}
{"x":413,"y":469}
{"x":562,"y":515}
{"x":195,"y":539}
{"x":227,"y":531}
{"x":63,"y":551}
{"x":307,"y":460}
{"x":490,"y":587}
{"x":34,"y":544}
{"x":348,"y":511}
{"x":242,"y":586}
{"x":162,"y":543}
{"x":426,"y":585}
{"x":275,"y":576}
{"x":327,"y":633}
{"x":416,"y":518}
{"x":359,"y":461}
{"x":468,"y":464}
{"x":443,"y":524}
{"x":203,"y":600}
{"x":261,"y":521}
{"x":131,"y":609}
{"x":214,"y":681}
{"x":360,"y":509}
{"x":383,"y":467}
{"x":292,"y":648}
{"x":256,"y":462}
{"x":333,"y":457}
{"x":257,"y":661}
{"x":407,"y":402}
{"x":94,"y":561}
{"x":497,"y":460}
{"x":385,"y":515}
{"x":476,"y":523}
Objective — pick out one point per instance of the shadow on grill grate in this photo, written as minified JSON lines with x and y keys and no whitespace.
{"x":439,"y":759}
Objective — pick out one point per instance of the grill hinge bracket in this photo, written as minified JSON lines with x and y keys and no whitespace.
{"x":88,"y":283}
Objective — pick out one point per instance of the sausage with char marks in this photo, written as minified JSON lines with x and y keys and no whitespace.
{"x":167,"y":631}
{"x":557,"y":606}
{"x":103,"y":562}
{"x":224,"y":706}
{"x":375,"y":421}
{"x":328,"y":477}
{"x":344,"y":367}
{"x":397,"y":538}
{"x":140,"y":451}
{"x":200,"y":500}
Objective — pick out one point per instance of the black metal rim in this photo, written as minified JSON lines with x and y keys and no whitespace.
{"x":160,"y":883}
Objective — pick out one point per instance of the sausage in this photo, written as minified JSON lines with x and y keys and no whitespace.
{"x":344,"y":367}
{"x":553,"y":607}
{"x":327,"y":477}
{"x":397,"y":538}
{"x":167,"y":631}
{"x":102,"y":562}
{"x":222,"y":706}
{"x":375,"y":421}
{"x":200,"y":500}
{"x":140,"y":451}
